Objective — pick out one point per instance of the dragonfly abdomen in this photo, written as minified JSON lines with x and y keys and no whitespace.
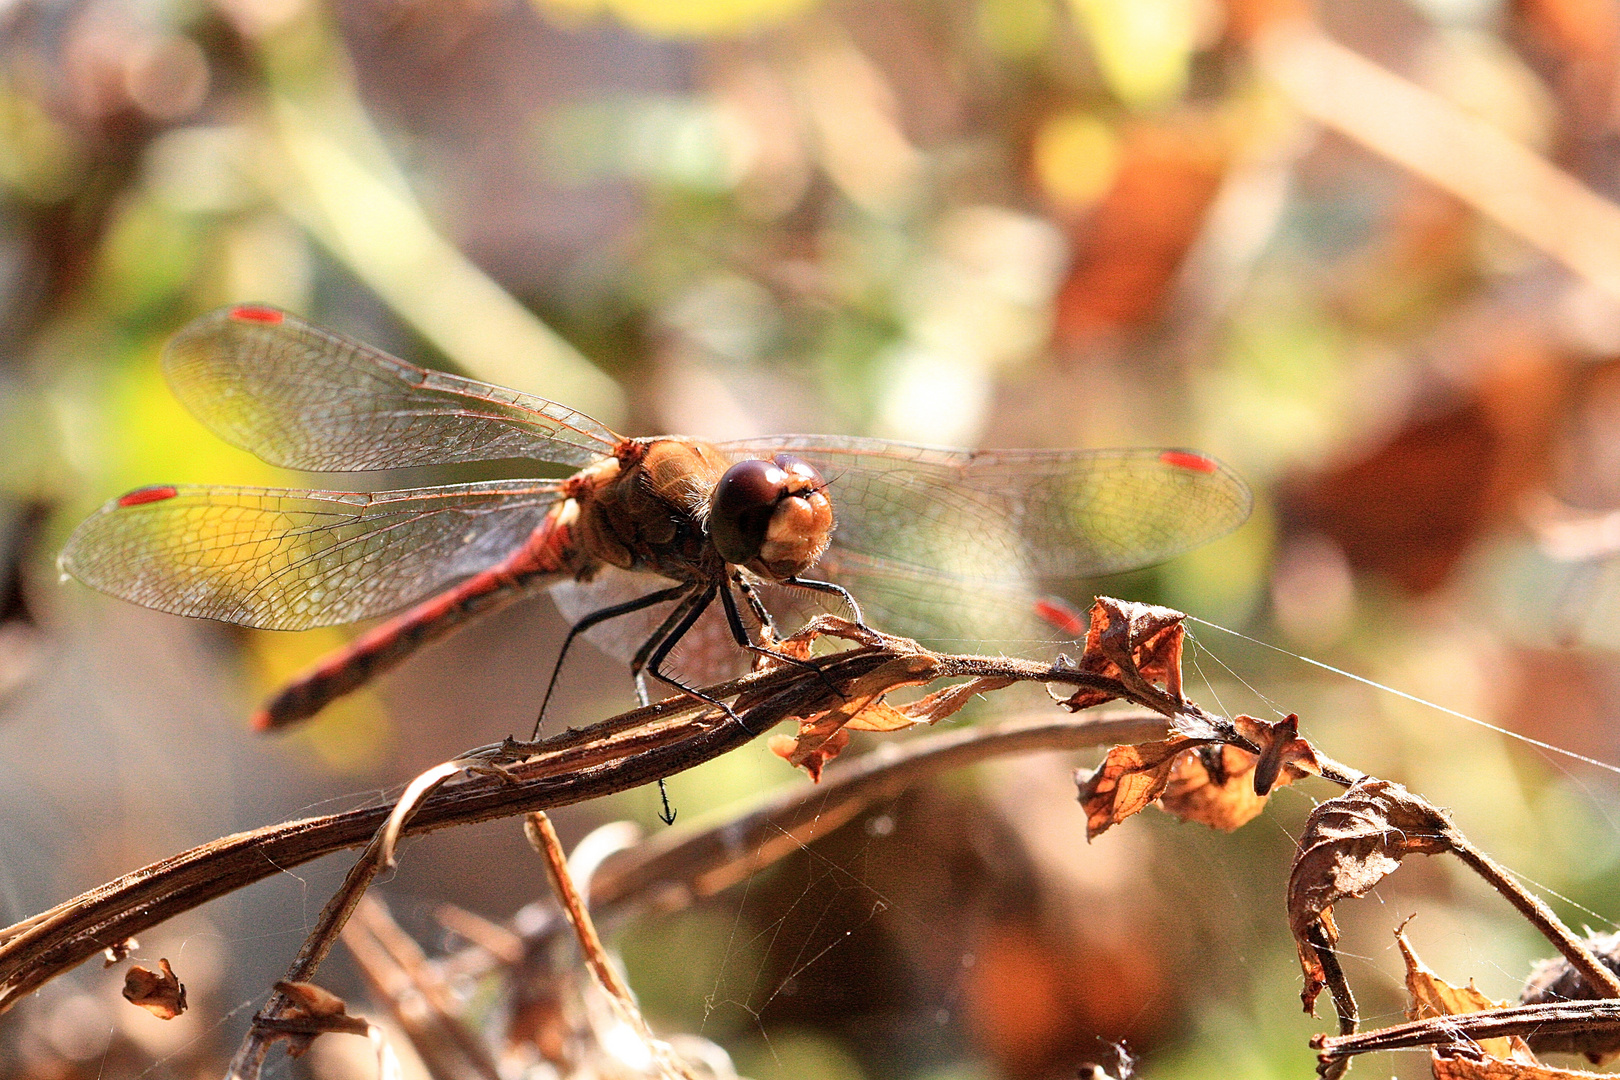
{"x":547,"y":555}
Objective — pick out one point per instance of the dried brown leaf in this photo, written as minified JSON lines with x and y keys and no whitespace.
{"x":1350,"y":844}
{"x":942,"y":703}
{"x":821,"y":734}
{"x":810,"y":758}
{"x":309,"y":1000}
{"x":1466,"y":1063}
{"x":880,"y":716}
{"x":1430,"y":995}
{"x":1138,"y":645}
{"x":1129,"y":778}
{"x":1221,"y":797}
{"x":800,"y":643}
{"x":160,"y":993}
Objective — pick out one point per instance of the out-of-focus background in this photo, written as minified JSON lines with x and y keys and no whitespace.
{"x":1364,"y":252}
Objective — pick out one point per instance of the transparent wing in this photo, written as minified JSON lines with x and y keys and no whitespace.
{"x":303,"y":398}
{"x":956,"y":614}
{"x":1003,"y":515}
{"x":707,"y":654}
{"x":951,"y":545}
{"x":291,"y":560}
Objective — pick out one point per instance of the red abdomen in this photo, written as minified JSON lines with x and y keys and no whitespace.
{"x":548,"y":553}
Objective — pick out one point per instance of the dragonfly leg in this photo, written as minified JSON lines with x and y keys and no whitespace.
{"x":593,"y":619}
{"x":687,"y":595}
{"x":740,"y":633}
{"x":695,"y":597}
{"x":657,"y":648}
{"x":836,"y":590}
{"x":756,"y":605}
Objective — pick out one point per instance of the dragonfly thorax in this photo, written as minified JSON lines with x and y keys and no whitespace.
{"x":644,"y":508}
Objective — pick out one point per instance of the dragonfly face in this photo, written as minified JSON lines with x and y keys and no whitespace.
{"x":773,"y":517}
{"x":935,"y":543}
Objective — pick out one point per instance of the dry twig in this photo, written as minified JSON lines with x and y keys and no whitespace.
{"x":1132,"y":653}
{"x":537,"y":827}
{"x":402,"y":979}
{"x":676,"y":867}
{"x":623,"y":752}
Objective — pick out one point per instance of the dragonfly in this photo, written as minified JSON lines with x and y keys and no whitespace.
{"x":648,"y":534}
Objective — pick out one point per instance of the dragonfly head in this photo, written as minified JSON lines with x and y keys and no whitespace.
{"x":773,"y":517}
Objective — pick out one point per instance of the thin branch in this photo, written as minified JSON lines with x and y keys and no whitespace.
{"x":36,"y":950}
{"x":676,"y":867}
{"x":413,"y":990}
{"x":500,"y":944}
{"x":625,"y":752}
{"x":318,"y":1025}
{"x":249,"y":1058}
{"x":1522,"y":1020}
{"x":1603,"y":982}
{"x":537,"y":827}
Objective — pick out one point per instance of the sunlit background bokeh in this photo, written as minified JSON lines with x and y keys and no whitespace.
{"x":1360,"y":251}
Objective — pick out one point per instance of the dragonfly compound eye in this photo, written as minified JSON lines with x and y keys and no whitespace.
{"x":771,"y":516}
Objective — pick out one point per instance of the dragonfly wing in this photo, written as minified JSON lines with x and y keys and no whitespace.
{"x":1006,"y":515}
{"x":706,"y":655}
{"x":952,"y":545}
{"x":291,"y":560}
{"x":303,"y":398}
{"x":949,"y":612}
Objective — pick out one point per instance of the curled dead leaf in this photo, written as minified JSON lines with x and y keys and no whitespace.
{"x":821,"y":734}
{"x":1214,"y":786}
{"x":306,"y":1000}
{"x":1218,"y":785}
{"x":1350,"y":844}
{"x":160,"y":993}
{"x":880,"y":716}
{"x":947,"y":702}
{"x":1430,"y":995}
{"x":1129,"y":778}
{"x":1136,"y":645}
{"x":801,"y":643}
{"x":310,"y":1000}
{"x":812,"y":759}
{"x":1284,"y":756}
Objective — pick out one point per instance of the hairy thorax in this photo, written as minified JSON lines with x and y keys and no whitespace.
{"x":643,"y":509}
